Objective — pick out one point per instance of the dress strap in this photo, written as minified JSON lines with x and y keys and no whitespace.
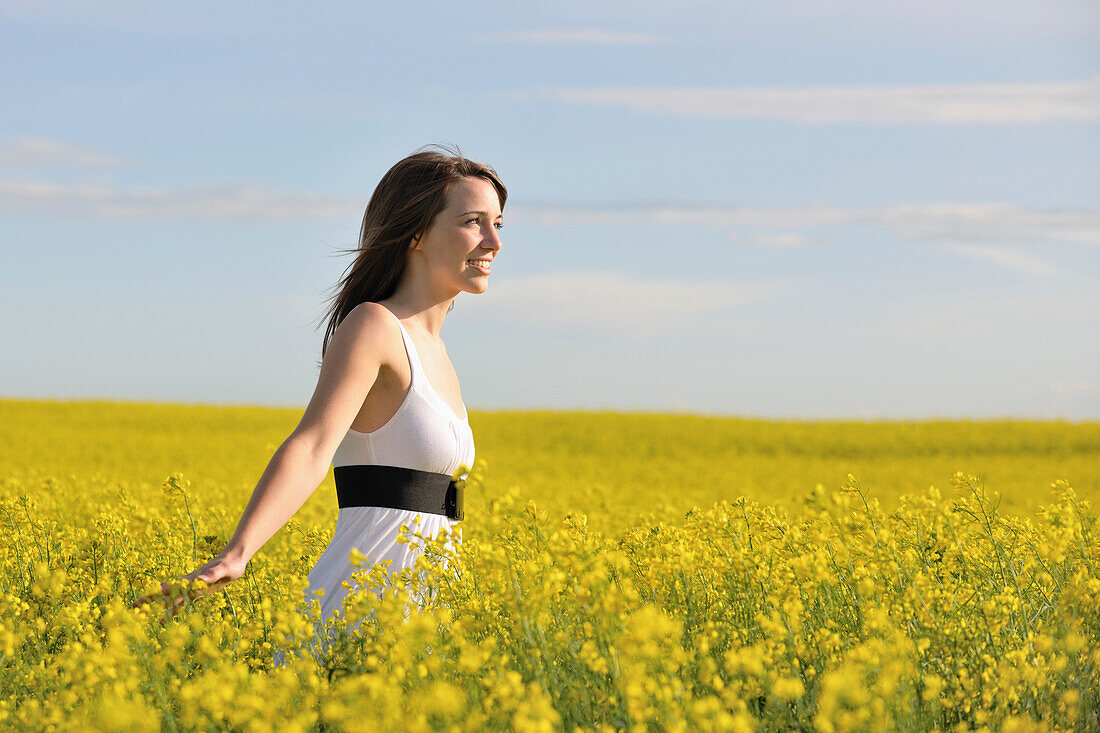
{"x":420,"y":378}
{"x":410,"y":347}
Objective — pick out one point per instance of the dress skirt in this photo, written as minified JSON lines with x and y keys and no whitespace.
{"x":373,"y":531}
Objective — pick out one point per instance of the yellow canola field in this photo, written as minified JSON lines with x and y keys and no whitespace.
{"x":619,"y":571}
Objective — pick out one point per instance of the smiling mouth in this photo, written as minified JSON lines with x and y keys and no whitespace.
{"x":480,"y":265}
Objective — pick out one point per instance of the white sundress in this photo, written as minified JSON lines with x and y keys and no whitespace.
{"x":424,"y":434}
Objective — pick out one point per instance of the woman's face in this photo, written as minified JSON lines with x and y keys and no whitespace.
{"x":465,"y":232}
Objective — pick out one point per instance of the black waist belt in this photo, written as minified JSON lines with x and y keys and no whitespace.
{"x":398,"y":488}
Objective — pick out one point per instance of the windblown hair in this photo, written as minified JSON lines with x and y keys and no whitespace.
{"x":402,"y":207}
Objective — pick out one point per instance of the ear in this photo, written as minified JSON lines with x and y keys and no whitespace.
{"x":415,"y":240}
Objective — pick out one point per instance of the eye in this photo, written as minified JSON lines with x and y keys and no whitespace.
{"x":499,"y":225}
{"x":469,"y":220}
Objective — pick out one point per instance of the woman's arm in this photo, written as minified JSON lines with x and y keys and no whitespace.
{"x":292,"y":475}
{"x":349,"y":369}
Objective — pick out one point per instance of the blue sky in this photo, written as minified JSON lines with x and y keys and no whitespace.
{"x":838,"y":210}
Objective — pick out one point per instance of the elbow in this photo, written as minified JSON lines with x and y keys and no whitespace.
{"x":305,"y":456}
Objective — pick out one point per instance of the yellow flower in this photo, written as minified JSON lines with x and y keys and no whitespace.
{"x":357,"y":558}
{"x":788,"y":688}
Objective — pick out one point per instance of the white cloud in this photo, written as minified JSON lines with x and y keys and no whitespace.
{"x":1080,"y":386}
{"x":611,"y":302}
{"x":1010,"y":258}
{"x":990,"y":222}
{"x":989,"y":231}
{"x":592,"y":36}
{"x":973,"y":19}
{"x":33,"y":152}
{"x":775,"y":240}
{"x":984,"y":230}
{"x":882,"y":104}
{"x":937,"y":222}
{"x":226,"y":202}
{"x":989,"y":326}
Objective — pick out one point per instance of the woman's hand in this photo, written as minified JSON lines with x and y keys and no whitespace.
{"x":217,"y":573}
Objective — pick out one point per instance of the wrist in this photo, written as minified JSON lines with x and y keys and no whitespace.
{"x":236,"y":553}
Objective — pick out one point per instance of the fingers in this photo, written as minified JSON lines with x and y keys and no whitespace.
{"x":208,"y":587}
{"x":175,"y":596}
{"x":214,"y":576}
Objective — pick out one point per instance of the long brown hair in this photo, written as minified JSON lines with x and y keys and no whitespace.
{"x":403,"y":205}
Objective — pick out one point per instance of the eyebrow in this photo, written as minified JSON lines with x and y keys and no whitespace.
{"x":483,"y":213}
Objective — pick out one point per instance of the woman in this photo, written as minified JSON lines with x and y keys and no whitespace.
{"x":387,"y":411}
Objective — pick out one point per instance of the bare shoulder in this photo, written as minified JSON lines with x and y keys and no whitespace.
{"x":371,"y":315}
{"x":368,"y":328}
{"x":361,"y":347}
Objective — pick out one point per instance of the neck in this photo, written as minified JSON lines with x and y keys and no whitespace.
{"x":420,"y":303}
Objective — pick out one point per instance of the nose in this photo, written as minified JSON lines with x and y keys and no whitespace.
{"x":492,"y":242}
